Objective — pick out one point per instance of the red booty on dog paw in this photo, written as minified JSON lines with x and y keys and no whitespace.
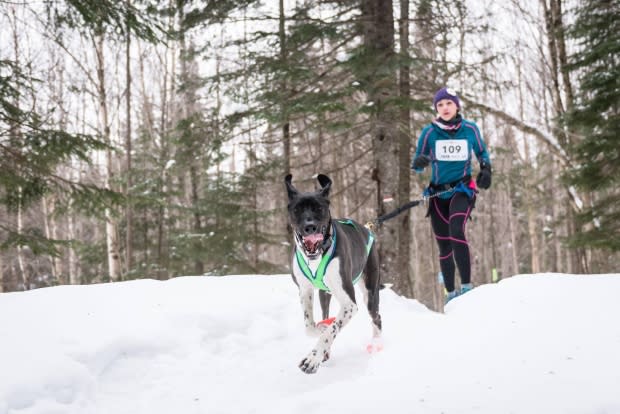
{"x":326,"y":322}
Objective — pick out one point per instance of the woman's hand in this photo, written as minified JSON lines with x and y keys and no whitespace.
{"x":420,"y":162}
{"x":484,"y":176}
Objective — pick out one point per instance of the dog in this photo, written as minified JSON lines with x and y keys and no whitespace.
{"x":330,"y":256}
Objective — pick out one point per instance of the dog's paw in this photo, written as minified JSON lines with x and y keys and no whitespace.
{"x":373,"y":348}
{"x":310,"y":364}
{"x":376,"y":345}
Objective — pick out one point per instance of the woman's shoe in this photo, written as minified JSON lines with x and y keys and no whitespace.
{"x":451,"y":295}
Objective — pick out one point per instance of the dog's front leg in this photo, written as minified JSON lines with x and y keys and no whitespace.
{"x":306,"y":298}
{"x":310,"y":364}
{"x":348,"y":308}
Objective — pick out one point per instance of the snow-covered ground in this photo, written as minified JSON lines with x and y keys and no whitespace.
{"x":529,"y":344}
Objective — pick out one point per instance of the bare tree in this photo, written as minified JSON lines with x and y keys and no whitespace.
{"x":113,"y":251}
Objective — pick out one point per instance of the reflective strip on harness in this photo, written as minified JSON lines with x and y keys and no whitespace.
{"x":317,"y":278}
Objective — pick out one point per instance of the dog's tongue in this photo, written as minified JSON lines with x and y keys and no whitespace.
{"x":312,"y":241}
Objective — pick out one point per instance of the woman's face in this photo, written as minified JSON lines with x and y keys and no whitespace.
{"x":446,"y":109}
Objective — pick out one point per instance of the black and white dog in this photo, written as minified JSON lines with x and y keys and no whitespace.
{"x":330,"y":255}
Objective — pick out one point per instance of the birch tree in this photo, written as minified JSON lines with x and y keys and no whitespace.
{"x":112,"y":242}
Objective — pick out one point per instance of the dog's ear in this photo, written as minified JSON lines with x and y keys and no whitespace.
{"x":326,"y":184}
{"x":292,"y":191}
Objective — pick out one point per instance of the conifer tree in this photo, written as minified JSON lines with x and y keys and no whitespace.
{"x":596,"y":118}
{"x":30,"y":151}
{"x":32,"y":147}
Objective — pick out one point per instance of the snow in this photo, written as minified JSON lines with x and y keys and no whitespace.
{"x":169,"y":164}
{"x":545,"y":343}
{"x":576,"y":197}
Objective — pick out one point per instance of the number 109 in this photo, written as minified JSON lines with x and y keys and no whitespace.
{"x":451,"y":149}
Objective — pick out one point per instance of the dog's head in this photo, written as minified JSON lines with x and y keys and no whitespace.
{"x":308,"y":215}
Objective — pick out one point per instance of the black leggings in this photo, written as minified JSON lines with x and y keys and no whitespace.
{"x":448,"y":218}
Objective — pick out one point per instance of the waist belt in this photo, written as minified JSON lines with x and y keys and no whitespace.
{"x":435,"y":188}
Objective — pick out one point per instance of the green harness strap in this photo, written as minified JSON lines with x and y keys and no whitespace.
{"x":317,"y":278}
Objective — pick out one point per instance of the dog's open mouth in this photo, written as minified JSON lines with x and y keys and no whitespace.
{"x":312,"y":242}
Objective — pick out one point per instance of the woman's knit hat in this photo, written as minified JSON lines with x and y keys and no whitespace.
{"x":446,"y":93}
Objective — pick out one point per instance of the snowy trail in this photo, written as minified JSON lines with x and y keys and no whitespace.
{"x":532,"y":343}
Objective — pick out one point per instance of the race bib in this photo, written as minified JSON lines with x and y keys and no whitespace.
{"x":451,"y":150}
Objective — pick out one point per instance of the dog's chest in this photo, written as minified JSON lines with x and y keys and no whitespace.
{"x":313,"y":265}
{"x":319,"y":272}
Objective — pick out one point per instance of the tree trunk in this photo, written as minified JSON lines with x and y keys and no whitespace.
{"x":286,"y":138}
{"x":1,"y":272}
{"x":404,"y":148}
{"x":188,"y":109}
{"x":74,"y":278}
{"x":508,"y":192}
{"x":21,"y":261}
{"x":128,"y":155}
{"x":551,"y":26}
{"x":493,"y":196}
{"x":114,"y":259}
{"x":15,"y":136}
{"x":556,"y":45}
{"x":251,"y":164}
{"x":163,"y":257}
{"x":199,"y":267}
{"x":532,"y":225}
{"x":286,"y":128}
{"x":559,"y":31}
{"x":378,"y":30}
{"x":148,"y":123}
{"x":48,"y":204}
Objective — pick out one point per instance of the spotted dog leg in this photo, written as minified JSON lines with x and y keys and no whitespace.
{"x":310,"y":364}
{"x":306,"y":297}
{"x":348,"y":308}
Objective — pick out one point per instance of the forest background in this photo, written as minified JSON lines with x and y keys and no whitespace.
{"x":149,"y":139}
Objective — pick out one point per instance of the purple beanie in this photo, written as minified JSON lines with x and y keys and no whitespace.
{"x":446,"y":93}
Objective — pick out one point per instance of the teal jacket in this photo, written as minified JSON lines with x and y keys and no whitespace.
{"x":450,"y":151}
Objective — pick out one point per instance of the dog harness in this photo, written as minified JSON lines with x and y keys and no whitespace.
{"x":317,"y":278}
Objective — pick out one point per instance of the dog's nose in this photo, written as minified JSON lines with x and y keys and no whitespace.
{"x":310,"y":229}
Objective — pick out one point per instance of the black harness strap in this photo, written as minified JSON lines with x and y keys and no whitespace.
{"x":372,"y":225}
{"x":437,"y":189}
{"x":397,"y":211}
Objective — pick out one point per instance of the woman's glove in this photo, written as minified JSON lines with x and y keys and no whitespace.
{"x":484,"y":176}
{"x":420,"y":162}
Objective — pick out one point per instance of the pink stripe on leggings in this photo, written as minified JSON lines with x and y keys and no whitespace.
{"x":459,"y":214}
{"x":465,"y":221}
{"x":451,"y":239}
